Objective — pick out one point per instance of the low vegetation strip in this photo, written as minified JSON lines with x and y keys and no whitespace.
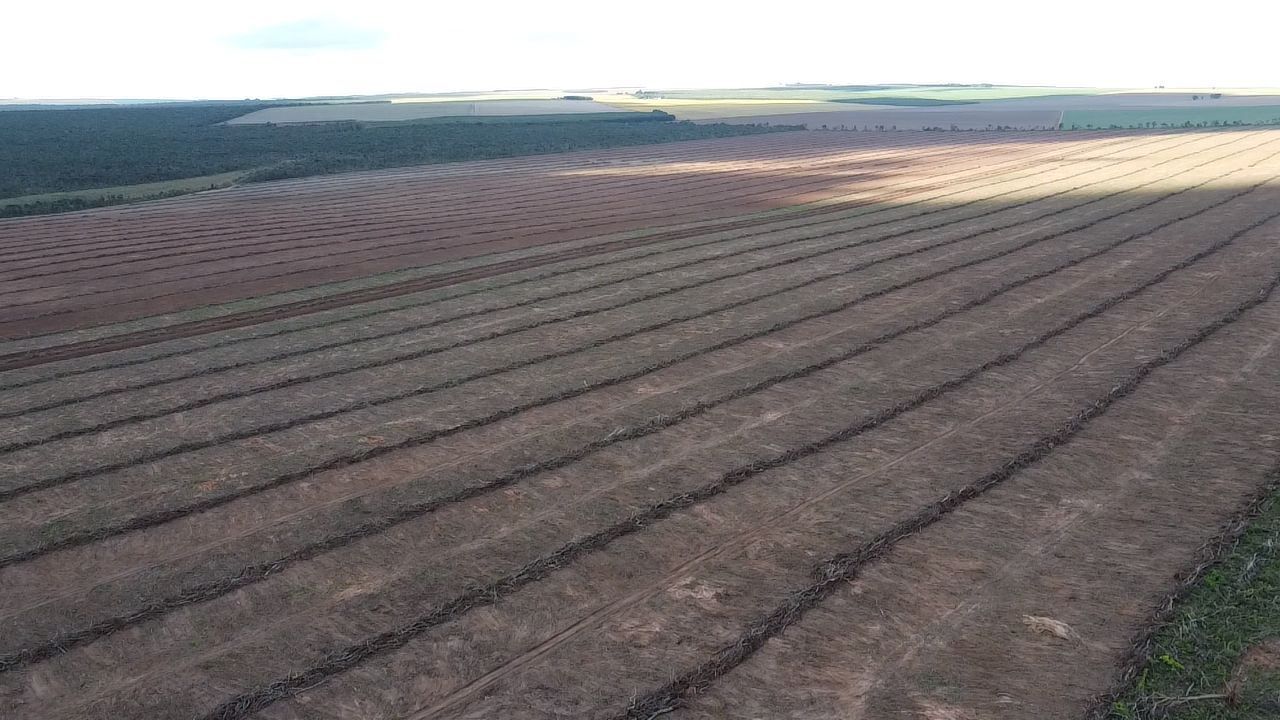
{"x":1172,"y":117}
{"x":53,"y":203}
{"x":1211,"y":649}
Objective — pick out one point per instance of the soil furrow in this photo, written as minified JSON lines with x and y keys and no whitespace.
{"x":16,"y":360}
{"x":396,"y":199}
{"x":840,"y":569}
{"x":756,"y":232}
{"x":601,"y":198}
{"x":77,"y":538}
{"x":22,"y":489}
{"x":819,"y":156}
{"x":257,"y":573}
{"x":836,"y":571}
{"x":299,"y":379}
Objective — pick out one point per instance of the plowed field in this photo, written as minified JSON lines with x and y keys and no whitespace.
{"x":802,"y":425}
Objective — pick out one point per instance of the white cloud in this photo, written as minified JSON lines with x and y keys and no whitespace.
{"x":149,"y":48}
{"x":309,"y":34}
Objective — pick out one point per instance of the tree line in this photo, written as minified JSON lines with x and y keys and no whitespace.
{"x":56,"y":150}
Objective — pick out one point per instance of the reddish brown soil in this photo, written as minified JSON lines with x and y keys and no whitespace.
{"x":612,"y":484}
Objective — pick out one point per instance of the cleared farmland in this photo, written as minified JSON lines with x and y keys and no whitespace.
{"x":793,"y":425}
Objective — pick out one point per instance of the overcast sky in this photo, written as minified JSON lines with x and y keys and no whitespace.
{"x":294,"y":48}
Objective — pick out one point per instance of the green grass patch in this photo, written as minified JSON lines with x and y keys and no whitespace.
{"x":1218,"y":656}
{"x":1172,"y":117}
{"x":102,"y":197}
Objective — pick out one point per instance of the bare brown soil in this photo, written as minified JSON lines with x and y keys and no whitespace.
{"x":932,"y":447}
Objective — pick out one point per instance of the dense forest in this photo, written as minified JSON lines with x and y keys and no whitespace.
{"x":59,"y":150}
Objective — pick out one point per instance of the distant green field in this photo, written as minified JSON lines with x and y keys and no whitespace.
{"x":625,"y":116}
{"x":849,"y":88}
{"x":1172,"y":117}
{"x":903,"y":101}
{"x":759,"y":94}
{"x":993,"y":92}
{"x":882,"y":93}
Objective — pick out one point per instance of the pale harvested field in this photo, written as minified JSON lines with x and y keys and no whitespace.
{"x":799,"y":425}
{"x":399,"y":111}
{"x":1029,"y":113}
{"x":977,"y":117}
